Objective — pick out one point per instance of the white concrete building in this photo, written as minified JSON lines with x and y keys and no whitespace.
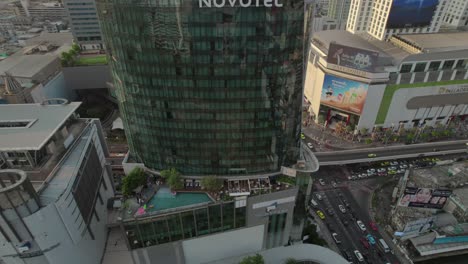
{"x":55,"y":185}
{"x":410,"y":81}
{"x":456,"y":15}
{"x":383,"y":18}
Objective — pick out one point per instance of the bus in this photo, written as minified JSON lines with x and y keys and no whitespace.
{"x":384,"y":245}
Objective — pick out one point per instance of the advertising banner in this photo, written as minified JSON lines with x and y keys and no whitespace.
{"x":354,"y":58}
{"x":411,"y":13}
{"x":344,"y":94}
{"x":418,"y":226}
{"x":424,"y":197}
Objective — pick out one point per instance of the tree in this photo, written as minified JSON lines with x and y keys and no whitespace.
{"x":257,"y":259}
{"x":368,"y":141}
{"x":291,"y":261}
{"x":211,"y":183}
{"x":134,"y":179}
{"x":321,"y":119}
{"x":349,"y":129}
{"x":173,"y":178}
{"x":363,"y":131}
{"x":314,"y":238}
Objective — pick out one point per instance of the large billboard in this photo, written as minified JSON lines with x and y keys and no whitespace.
{"x":411,"y":13}
{"x":424,"y":197}
{"x":343,"y":94}
{"x":360,"y":59}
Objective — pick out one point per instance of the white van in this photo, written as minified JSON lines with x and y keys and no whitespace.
{"x":384,"y":245}
{"x":313,"y":202}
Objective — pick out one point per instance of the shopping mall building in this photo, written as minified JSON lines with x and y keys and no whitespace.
{"x":411,"y":80}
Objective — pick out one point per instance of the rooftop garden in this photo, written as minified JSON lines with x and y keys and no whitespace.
{"x":73,"y":58}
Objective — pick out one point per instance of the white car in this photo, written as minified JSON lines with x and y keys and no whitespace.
{"x":310,"y":145}
{"x":361,"y":225}
{"x":382,"y":170}
{"x":371,"y":171}
{"x":362,"y":175}
{"x":403,"y":166}
{"x":333,"y":184}
{"x":358,"y":255}
{"x":394,"y":163}
{"x":319,"y":197}
{"x":393,"y":168}
{"x":342,"y":208}
{"x":335,"y":237}
{"x":400,"y":171}
{"x":322,"y":182}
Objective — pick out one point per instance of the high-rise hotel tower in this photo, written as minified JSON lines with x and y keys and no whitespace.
{"x":208,"y":86}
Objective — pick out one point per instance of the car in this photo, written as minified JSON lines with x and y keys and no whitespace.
{"x":345,"y":223}
{"x":371,"y":239}
{"x":354,"y":177}
{"x":364,"y":242}
{"x":361,"y":225}
{"x":335,"y":237}
{"x":330,"y":212}
{"x":310,"y":145}
{"x":342,"y":208}
{"x":358,"y":255}
{"x":373,"y":226}
{"x":302,"y":136}
{"x":392,"y":172}
{"x":382,"y":170}
{"x":333,"y":184}
{"x":322,"y":182}
{"x":363,"y":175}
{"x":382,"y":173}
{"x":320,"y":214}
{"x":392,"y":168}
{"x":313,"y":203}
{"x":401,"y":171}
{"x":371,"y":171}
{"x":403,"y":166}
{"x":350,"y":178}
{"x":385,"y":164}
{"x":371,"y":155}
{"x":394,"y":163}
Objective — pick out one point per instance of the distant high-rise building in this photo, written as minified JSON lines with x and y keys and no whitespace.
{"x":457,"y":14}
{"x":84,"y":23}
{"x":339,"y":10}
{"x":208,"y":89}
{"x":383,"y":18}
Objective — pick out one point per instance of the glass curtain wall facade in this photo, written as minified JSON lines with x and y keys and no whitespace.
{"x":208,"y":90}
{"x":183,"y":225}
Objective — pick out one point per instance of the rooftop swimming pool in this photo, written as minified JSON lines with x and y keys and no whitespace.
{"x":164,"y":199}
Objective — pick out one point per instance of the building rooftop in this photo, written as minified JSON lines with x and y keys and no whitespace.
{"x":25,"y":66}
{"x":58,"y":39}
{"x":450,"y":176}
{"x":438,"y":42}
{"x":35,"y":124}
{"x":388,"y":54}
{"x":461,"y":195}
{"x":307,"y":253}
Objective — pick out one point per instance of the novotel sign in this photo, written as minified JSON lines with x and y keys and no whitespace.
{"x":242,"y":3}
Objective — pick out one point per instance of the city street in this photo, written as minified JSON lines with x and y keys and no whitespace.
{"x":355,"y":197}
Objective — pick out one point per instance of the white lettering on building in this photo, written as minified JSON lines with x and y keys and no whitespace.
{"x":242,"y":3}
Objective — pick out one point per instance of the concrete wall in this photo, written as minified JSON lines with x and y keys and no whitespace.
{"x":371,"y":106}
{"x":313,"y":85}
{"x":87,"y":77}
{"x":59,"y":228}
{"x":223,"y":245}
{"x":399,"y":112}
{"x":257,"y":211}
